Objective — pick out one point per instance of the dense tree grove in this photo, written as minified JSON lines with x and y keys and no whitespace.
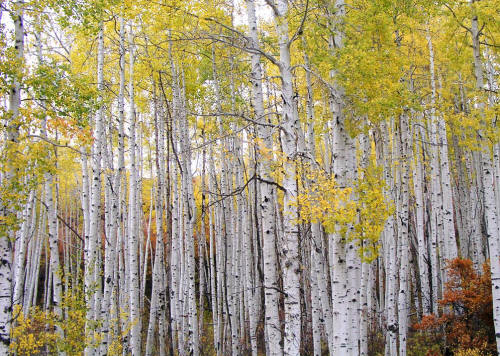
{"x":249,"y":177}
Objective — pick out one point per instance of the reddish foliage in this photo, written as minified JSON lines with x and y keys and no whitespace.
{"x":467,"y":308}
{"x":433,"y":353}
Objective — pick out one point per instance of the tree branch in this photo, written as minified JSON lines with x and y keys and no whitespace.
{"x":273,"y":6}
{"x":301,"y":27}
{"x":57,"y":144}
{"x":61,"y":220}
{"x":240,"y":116}
{"x":456,"y":18}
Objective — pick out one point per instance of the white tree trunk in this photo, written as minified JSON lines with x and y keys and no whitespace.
{"x":92,"y":259}
{"x":133,"y":219}
{"x":289,"y":139}
{"x":439,"y":132}
{"x":5,"y":211}
{"x":423,"y":255}
{"x":22,"y":240}
{"x":403,"y":236}
{"x":488,"y":184}
{"x":156,"y":293}
{"x":390,"y":244}
{"x":266,"y":201}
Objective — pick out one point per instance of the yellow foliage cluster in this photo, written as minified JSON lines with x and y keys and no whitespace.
{"x":322,"y":201}
{"x":36,"y":331}
{"x":373,"y":211}
{"x":470,"y":352}
{"x":356,"y":213}
{"x":33,"y":333}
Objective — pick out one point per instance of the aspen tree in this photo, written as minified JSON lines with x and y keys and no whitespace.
{"x":188,"y":213}
{"x":214,"y":263}
{"x":92,"y":258}
{"x":403,"y":234}
{"x":381,"y":259}
{"x":156,"y":294}
{"x":228,"y":214}
{"x":365,"y":282}
{"x":21,"y":247}
{"x":251,"y":291}
{"x":316,"y":267}
{"x":34,"y":253}
{"x":203,"y":285}
{"x":488,"y":184}
{"x":423,"y":255}
{"x":319,"y":287}
{"x":439,"y":132}
{"x":53,"y":228}
{"x":12,"y":133}
{"x":175,"y":306}
{"x":133,"y":219}
{"x":289,"y":136}
{"x":343,"y":259}
{"x":390,"y":244}
{"x":266,"y":203}
{"x":112,"y":242}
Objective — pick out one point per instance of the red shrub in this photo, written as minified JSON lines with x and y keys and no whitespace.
{"x":467,"y":318}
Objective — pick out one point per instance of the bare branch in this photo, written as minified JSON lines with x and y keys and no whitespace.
{"x":255,"y":121}
{"x":300,"y":29}
{"x":57,"y":144}
{"x":61,"y":220}
{"x":456,"y":18}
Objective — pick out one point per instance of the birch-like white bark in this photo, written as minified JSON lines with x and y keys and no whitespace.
{"x":488,"y":184}
{"x":423,"y":255}
{"x":156,"y":293}
{"x":321,"y":311}
{"x":92,"y":258}
{"x":5,"y":244}
{"x":403,"y":236}
{"x":289,"y":139}
{"x":439,"y":132}
{"x":188,"y":214}
{"x":133,"y":218}
{"x":113,"y":240}
{"x":266,"y":202}
{"x":390,"y":244}
{"x":365,"y":282}
{"x":21,"y":247}
{"x":53,"y":229}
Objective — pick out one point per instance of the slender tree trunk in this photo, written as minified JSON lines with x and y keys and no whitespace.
{"x":6,"y":181}
{"x":403,"y":236}
{"x":133,"y":219}
{"x":423,"y":255}
{"x":439,"y":132}
{"x":390,"y":244}
{"x":490,"y":213}
{"x":92,"y":261}
{"x":22,"y":241}
{"x":289,"y":139}
{"x":156,"y":293}
{"x":266,"y":202}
